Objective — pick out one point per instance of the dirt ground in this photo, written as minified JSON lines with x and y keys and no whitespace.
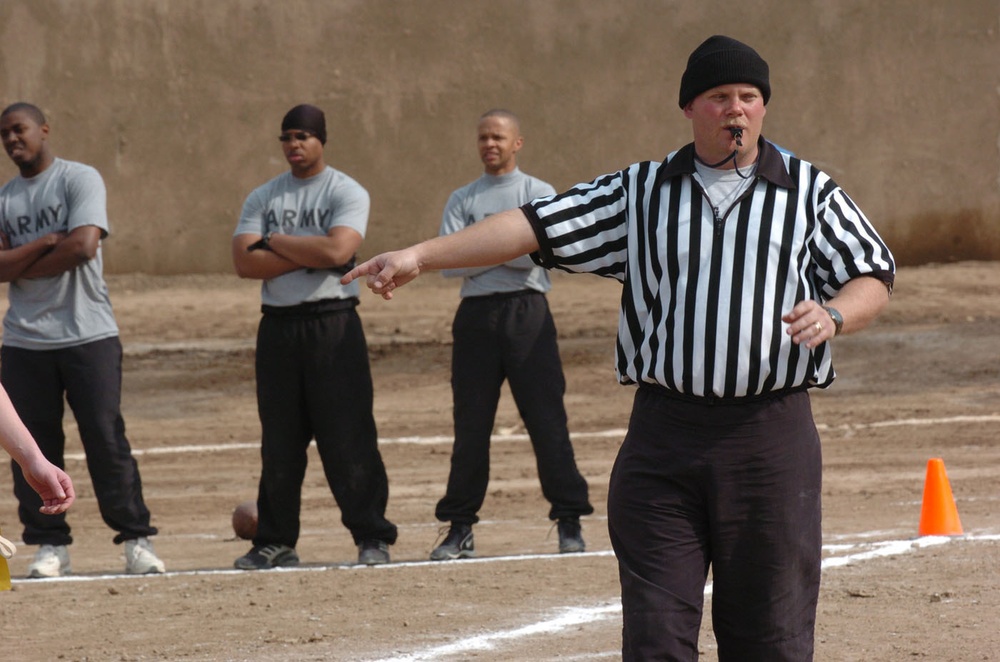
{"x":923,"y":382}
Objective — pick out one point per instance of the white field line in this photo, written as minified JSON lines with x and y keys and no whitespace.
{"x":572,"y":617}
{"x":867,"y":551}
{"x":615,"y":433}
{"x":985,"y":418}
{"x":563,"y":619}
{"x":400,"y":565}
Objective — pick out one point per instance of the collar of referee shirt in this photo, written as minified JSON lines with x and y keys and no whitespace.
{"x":770,"y":165}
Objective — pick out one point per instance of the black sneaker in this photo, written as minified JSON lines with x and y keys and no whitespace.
{"x":457,"y":544}
{"x":265,"y":557}
{"x":570,"y":536}
{"x":373,"y":552}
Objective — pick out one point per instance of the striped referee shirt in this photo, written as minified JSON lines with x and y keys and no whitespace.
{"x":705,"y":288}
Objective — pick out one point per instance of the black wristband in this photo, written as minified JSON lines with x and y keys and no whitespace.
{"x":262,"y":244}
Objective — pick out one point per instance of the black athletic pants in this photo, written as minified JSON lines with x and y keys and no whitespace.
{"x":314,"y":381}
{"x":90,"y":377}
{"x":731,"y":487}
{"x":509,"y":336}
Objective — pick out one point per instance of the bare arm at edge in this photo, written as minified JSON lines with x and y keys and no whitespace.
{"x":51,"y":482}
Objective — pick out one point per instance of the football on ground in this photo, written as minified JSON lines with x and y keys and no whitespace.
{"x":245,"y":520}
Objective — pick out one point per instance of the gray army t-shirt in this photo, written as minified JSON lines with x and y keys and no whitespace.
{"x":305,"y":207}
{"x":72,"y":308}
{"x":491,"y":194}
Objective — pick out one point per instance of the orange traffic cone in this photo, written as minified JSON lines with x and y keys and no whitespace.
{"x":938,"y":515}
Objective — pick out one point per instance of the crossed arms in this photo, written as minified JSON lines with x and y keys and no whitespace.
{"x":287,"y":253}
{"x":48,"y":255}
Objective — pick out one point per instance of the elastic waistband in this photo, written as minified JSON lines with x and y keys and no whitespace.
{"x":310,"y":308}
{"x":715,"y":400}
{"x":503,"y":295}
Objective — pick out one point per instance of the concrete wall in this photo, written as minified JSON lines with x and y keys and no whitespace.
{"x":178,"y":103}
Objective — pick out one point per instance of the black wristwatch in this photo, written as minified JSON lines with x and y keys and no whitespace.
{"x":838,"y":319}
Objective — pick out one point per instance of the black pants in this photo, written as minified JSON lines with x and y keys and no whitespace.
{"x":512,"y":337}
{"x":314,"y":381}
{"x":734,"y":487}
{"x":90,"y":377}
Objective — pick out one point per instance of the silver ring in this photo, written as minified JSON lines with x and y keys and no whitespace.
{"x":819,"y":327}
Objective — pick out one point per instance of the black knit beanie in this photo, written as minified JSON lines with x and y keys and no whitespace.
{"x":721,"y":61}
{"x":306,"y":118}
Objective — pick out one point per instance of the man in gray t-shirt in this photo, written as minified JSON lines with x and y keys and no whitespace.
{"x":296,"y":234}
{"x":503,"y":331}
{"x":60,"y":339}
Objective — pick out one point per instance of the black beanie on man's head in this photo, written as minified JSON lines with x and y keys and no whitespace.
{"x":306,"y":118}
{"x":721,"y":61}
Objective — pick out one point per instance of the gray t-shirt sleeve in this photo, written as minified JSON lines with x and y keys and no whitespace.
{"x":353,"y":208}
{"x":86,"y":200}
{"x":252,"y":217}
{"x":481,"y":198}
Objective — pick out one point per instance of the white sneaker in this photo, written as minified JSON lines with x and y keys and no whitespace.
{"x":50,"y":561}
{"x":140,"y":559}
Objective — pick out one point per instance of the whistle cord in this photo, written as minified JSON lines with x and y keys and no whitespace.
{"x":738,"y":137}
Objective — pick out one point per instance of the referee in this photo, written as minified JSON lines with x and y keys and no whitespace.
{"x":740,"y":264}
